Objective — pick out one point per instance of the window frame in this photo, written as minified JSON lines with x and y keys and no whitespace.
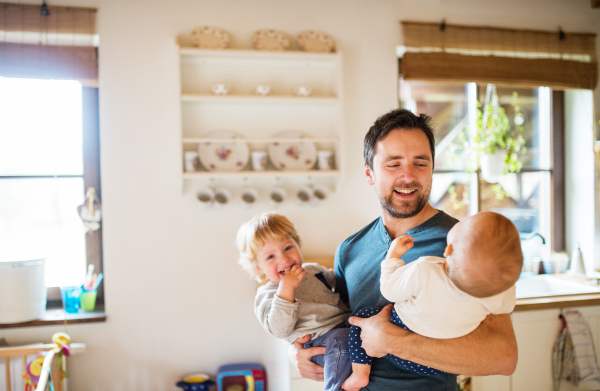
{"x":556,"y":170}
{"x":91,"y":177}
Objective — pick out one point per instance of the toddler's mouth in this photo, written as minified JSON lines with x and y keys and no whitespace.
{"x":285,"y":270}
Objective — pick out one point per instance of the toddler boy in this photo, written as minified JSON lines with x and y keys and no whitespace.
{"x":298,"y":298}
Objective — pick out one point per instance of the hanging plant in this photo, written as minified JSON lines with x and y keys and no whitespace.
{"x":497,"y":143}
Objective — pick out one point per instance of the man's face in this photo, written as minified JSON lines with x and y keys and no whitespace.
{"x":402,"y":172}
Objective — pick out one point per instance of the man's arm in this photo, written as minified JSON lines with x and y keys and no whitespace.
{"x":491,"y":349}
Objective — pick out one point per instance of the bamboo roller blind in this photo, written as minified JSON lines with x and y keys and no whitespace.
{"x":498,"y":55}
{"x":64,"y":47}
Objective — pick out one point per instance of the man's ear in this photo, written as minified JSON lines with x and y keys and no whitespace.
{"x":369,"y":174}
{"x":448,"y":251}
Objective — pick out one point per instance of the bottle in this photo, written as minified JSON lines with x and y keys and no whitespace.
{"x":577,"y":265}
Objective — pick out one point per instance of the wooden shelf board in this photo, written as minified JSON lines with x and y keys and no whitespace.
{"x":248,"y":53}
{"x":258,"y":99}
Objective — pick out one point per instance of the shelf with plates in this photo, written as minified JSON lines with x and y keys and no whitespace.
{"x":198,"y":140}
{"x":220,"y":93}
{"x":255,"y":99}
{"x":249,"y":174}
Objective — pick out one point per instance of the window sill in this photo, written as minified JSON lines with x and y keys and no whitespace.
{"x":56,"y":315}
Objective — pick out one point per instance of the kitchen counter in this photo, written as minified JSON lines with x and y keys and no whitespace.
{"x":542,"y":303}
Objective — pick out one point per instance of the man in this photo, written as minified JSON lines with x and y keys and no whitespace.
{"x":399,"y":152}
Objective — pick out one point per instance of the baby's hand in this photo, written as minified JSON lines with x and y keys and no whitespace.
{"x":400,"y":246}
{"x":293,"y":276}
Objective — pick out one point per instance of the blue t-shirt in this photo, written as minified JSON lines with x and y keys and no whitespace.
{"x":357,"y":271}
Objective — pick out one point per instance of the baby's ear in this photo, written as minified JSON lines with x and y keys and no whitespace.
{"x":448,"y":251}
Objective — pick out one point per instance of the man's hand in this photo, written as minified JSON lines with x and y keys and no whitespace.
{"x":377,"y":332}
{"x":300,"y":358}
{"x":400,"y":246}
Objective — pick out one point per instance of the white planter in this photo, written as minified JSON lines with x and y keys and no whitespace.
{"x":492,"y":166}
{"x":22,"y":290}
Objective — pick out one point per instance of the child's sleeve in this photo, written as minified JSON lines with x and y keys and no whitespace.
{"x":398,"y":282}
{"x":509,"y":300}
{"x":276,"y":315}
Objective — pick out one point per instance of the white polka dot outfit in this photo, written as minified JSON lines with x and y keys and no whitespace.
{"x":359,"y":356}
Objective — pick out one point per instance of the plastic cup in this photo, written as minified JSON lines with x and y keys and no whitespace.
{"x":87,"y":300}
{"x":70,"y":297}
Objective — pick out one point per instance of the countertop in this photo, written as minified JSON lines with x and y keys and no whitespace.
{"x":544,"y":303}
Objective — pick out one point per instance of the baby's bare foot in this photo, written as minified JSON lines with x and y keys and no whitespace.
{"x":355,"y":382}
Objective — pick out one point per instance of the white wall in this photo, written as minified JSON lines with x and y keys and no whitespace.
{"x":176,"y":300}
{"x":579,"y":175}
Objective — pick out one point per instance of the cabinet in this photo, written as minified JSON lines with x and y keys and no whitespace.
{"x":258,"y":119}
{"x":536,"y":332}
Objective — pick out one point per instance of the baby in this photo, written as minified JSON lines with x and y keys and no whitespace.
{"x":447,"y":297}
{"x":297,"y":299}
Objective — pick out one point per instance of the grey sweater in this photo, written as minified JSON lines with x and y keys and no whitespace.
{"x":316,"y":308}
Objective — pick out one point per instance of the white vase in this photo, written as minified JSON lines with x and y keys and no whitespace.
{"x":492,"y":166}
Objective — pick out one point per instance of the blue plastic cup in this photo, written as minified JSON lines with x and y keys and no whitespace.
{"x":70,"y":297}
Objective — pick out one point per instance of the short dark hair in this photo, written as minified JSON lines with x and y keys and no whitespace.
{"x":397,"y":119}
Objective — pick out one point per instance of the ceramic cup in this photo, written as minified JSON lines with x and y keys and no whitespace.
{"x":304,"y":195}
{"x":220,"y":89}
{"x":302,"y":91}
{"x":320,"y":193}
{"x":222,"y":196}
{"x":191,"y":161}
{"x":277,"y":195}
{"x":262,"y":89}
{"x":249,"y":196}
{"x":206,"y":197}
{"x":325,"y":160}
{"x":259,"y":160}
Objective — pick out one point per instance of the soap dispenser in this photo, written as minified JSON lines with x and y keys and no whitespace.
{"x":577,"y":265}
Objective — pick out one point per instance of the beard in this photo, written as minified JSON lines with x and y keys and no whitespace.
{"x":408,"y":208}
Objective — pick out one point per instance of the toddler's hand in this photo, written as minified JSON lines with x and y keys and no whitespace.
{"x":293,"y":276}
{"x":400,"y":246}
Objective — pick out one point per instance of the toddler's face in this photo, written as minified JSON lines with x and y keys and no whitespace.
{"x":276,"y":257}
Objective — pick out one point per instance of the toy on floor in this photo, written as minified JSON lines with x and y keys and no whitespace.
{"x":34,"y":368}
{"x":196,"y":382}
{"x":241,"y":377}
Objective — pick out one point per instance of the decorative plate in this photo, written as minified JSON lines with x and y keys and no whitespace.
{"x":270,"y":40}
{"x":223,"y":156}
{"x":315,"y":41}
{"x":210,"y":38}
{"x":293,"y":155}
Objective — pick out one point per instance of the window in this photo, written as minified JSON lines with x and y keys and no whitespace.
{"x":48,"y":157}
{"x":527,"y":197}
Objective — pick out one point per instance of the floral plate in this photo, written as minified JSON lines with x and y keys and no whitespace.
{"x":210,"y":38}
{"x":223,"y":156}
{"x":315,"y":41}
{"x":270,"y":40}
{"x":293,"y":155}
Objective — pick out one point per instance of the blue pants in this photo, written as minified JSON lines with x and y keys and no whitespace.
{"x":359,"y":356}
{"x":336,"y":359}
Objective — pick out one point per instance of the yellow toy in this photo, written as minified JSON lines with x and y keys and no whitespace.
{"x":37,"y":370}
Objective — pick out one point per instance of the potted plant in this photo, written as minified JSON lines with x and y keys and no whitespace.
{"x":496,"y":142}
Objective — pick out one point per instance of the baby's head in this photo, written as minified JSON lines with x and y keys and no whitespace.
{"x":270,"y":232}
{"x":484,"y":254}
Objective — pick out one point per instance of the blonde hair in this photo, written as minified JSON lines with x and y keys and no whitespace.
{"x":254,"y":234}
